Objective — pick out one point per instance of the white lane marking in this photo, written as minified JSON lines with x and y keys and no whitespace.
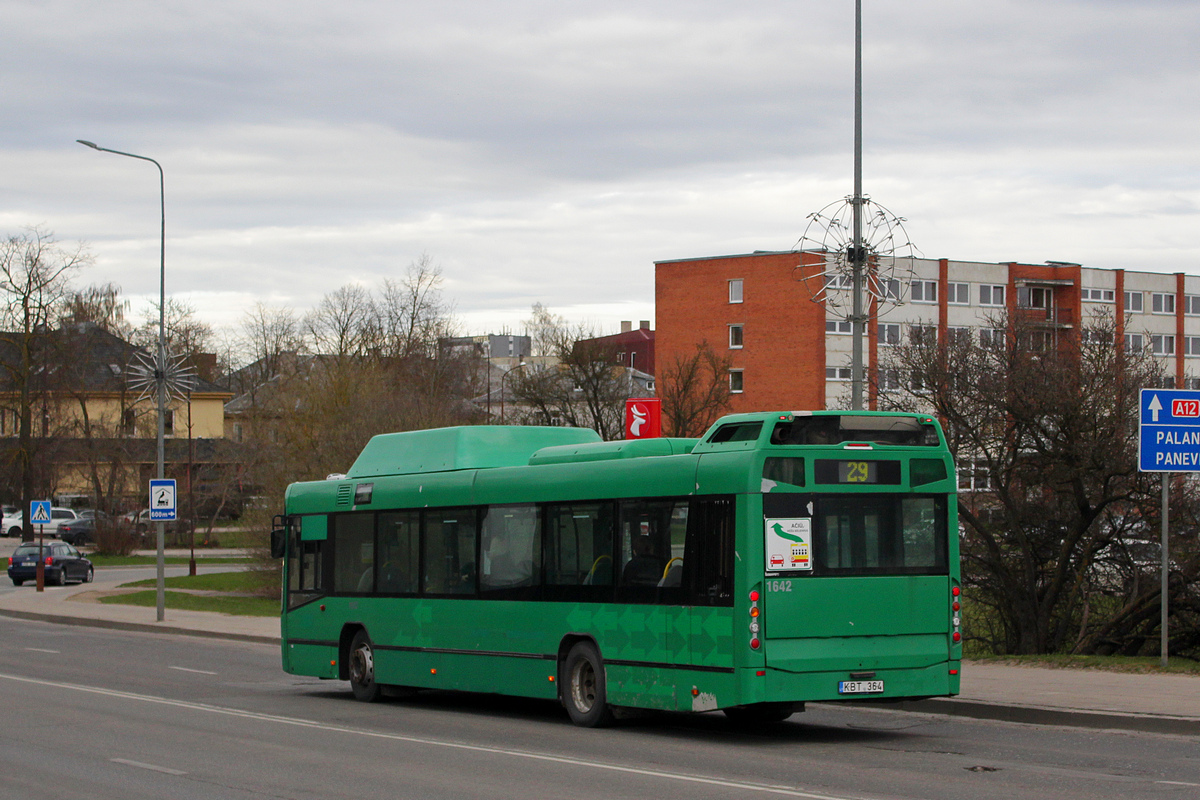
{"x":42,"y":650}
{"x":197,"y":671}
{"x":153,"y":767}
{"x":1177,"y":783}
{"x":785,"y":791}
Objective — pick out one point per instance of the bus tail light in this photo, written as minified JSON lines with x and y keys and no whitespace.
{"x":955,"y":615}
{"x":755,"y":627}
{"x":49,"y":561}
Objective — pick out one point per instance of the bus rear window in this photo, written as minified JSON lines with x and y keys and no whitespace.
{"x":879,"y":534}
{"x":835,"y":429}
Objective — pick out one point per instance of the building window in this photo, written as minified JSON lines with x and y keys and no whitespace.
{"x":1098,"y":295}
{"x":1162,"y":345}
{"x":838,"y":374}
{"x":991,"y":338}
{"x":958,"y":294}
{"x":1034,"y":297}
{"x":1089,"y":336}
{"x":736,"y":383}
{"x":889,"y":333}
{"x":4,"y":422}
{"x":1133,"y":302}
{"x":1191,"y":304}
{"x":128,"y":421}
{"x":1191,"y":345}
{"x":924,"y":291}
{"x":237,"y":431}
{"x":973,"y":476}
{"x":1134,"y":343}
{"x":1162,"y":303}
{"x":168,"y":422}
{"x":922,"y":334}
{"x":735,"y":290}
{"x":958,"y":337}
{"x":890,"y":289}
{"x":838,"y":326}
{"x":735,"y":337}
{"x":991,"y":295}
{"x":889,"y":380}
{"x":1191,"y":383}
{"x":839,"y":280}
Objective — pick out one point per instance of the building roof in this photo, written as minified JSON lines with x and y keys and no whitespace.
{"x":82,"y":357}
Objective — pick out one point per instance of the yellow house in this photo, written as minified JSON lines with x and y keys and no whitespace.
{"x":93,"y":418}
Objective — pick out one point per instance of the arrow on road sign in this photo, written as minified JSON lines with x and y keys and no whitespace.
{"x":1154,"y":407}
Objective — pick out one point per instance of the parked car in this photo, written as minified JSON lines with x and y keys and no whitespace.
{"x":62,"y":563}
{"x":12,"y":516}
{"x":58,"y":516}
{"x":78,"y":531}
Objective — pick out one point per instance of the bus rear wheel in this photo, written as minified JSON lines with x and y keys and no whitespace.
{"x":362,"y":669}
{"x":586,"y":698}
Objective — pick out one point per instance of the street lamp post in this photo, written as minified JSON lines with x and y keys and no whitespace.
{"x":502,"y":377}
{"x":160,"y":364}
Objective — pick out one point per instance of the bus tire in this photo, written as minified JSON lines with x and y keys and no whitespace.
{"x":759,"y":713}
{"x":361,"y":663}
{"x":585,"y":697}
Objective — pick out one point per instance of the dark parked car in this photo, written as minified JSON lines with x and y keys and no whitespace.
{"x":78,"y":531}
{"x":63,"y":563}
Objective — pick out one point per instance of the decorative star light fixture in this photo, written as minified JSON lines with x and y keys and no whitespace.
{"x":887,"y":260}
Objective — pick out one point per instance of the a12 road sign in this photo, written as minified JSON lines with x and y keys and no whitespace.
{"x":1169,"y":431}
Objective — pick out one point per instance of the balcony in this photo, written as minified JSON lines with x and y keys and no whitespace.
{"x":1050,"y":317}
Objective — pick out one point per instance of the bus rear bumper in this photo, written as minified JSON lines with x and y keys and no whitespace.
{"x":937,"y":680}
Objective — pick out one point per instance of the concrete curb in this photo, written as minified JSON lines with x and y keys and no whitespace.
{"x":138,"y":627}
{"x":1042,"y":715}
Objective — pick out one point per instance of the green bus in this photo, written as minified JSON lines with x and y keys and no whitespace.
{"x":780,"y":558}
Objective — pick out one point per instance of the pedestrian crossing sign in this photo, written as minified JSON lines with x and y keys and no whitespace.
{"x":39,"y":512}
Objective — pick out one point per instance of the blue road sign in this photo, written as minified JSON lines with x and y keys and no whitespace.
{"x":39,"y":512}
{"x":1169,"y":431}
{"x":162,"y":500}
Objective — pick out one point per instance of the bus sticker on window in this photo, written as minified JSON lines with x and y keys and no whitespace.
{"x":789,"y":545}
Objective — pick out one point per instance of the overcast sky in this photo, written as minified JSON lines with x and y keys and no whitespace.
{"x":552,"y":151}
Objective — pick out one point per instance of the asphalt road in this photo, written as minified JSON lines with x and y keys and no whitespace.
{"x":99,"y":714}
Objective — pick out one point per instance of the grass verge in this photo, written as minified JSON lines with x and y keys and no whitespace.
{"x":1148,"y":665}
{"x":222,"y":604}
{"x":144,"y":561}
{"x":214,"y":582}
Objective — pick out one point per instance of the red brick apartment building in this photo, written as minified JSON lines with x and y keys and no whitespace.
{"x":791,"y":352}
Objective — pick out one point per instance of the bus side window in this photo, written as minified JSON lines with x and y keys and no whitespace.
{"x":509,"y":547}
{"x":708,"y":570}
{"x":579,"y":551}
{"x":353,"y":553}
{"x":651,"y":551}
{"x":306,"y":567}
{"x":399,"y":552}
{"x":449,"y":542}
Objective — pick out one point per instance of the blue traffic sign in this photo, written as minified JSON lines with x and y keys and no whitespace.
{"x":1169,"y":431}
{"x":162,"y":500}
{"x":39,"y":512}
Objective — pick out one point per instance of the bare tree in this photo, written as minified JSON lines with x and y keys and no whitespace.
{"x":694,"y":390}
{"x":585,"y":387}
{"x":1043,"y":424}
{"x":341,"y":325}
{"x":34,"y":275}
{"x":101,"y":305}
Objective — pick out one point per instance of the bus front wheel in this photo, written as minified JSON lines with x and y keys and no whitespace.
{"x":362,"y":669}
{"x":585,"y":697}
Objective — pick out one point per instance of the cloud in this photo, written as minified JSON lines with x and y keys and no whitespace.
{"x":553,"y":150}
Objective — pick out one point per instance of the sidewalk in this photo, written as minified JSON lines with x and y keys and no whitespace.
{"x":1077,"y":698}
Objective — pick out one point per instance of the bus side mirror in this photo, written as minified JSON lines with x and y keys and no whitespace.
{"x":279,"y":529}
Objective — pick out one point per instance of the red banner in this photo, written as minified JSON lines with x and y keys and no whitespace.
{"x":643,"y":418}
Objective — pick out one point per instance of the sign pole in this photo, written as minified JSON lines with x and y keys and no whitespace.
{"x":1163,"y":623}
